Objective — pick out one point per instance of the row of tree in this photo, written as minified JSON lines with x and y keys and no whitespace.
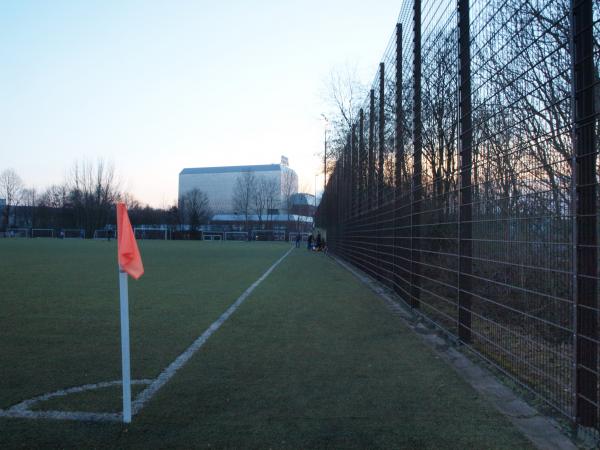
{"x":85,"y":200}
{"x":522,"y":149}
{"x":521,"y":112}
{"x":263,"y":196}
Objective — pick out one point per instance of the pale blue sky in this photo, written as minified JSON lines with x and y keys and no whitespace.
{"x":155,"y":86}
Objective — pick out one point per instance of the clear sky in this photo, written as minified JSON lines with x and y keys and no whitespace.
{"x":156,"y":86}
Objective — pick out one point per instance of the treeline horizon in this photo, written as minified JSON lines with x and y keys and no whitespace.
{"x":84,"y":200}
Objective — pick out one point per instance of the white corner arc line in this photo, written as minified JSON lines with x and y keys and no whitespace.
{"x":23,"y":410}
{"x":28,"y":404}
{"x":168,"y":373}
{"x":62,"y":415}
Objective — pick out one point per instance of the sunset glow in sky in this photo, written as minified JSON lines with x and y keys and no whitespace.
{"x":156,"y":86}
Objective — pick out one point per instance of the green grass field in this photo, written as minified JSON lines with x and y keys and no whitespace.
{"x":312,"y":359}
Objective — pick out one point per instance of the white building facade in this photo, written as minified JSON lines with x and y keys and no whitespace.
{"x":218,"y":183}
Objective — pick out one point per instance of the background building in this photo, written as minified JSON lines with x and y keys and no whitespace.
{"x":303,"y":204}
{"x":218,"y":183}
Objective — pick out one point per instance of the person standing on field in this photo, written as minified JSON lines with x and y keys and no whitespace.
{"x":310,"y":240}
{"x":298,"y":237}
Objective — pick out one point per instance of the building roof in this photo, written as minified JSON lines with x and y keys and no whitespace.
{"x":230,"y":169}
{"x":302,"y":198}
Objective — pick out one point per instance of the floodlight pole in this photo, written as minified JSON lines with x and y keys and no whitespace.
{"x":125,"y":355}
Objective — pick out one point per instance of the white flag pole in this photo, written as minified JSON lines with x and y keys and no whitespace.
{"x":125,"y":358}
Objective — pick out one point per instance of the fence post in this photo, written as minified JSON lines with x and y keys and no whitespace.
{"x":465,"y":214}
{"x":353,"y":170}
{"x":417,"y":193}
{"x":339,"y":169}
{"x":348,"y":187}
{"x":371,"y":169}
{"x":361,"y":153}
{"x":585,"y":286}
{"x":399,"y":150}
{"x":342,"y":185}
{"x":399,"y":112}
{"x":380,"y":183}
{"x":336,"y":206}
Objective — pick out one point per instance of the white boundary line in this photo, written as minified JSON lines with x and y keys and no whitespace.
{"x":22,"y":409}
{"x":144,"y":396}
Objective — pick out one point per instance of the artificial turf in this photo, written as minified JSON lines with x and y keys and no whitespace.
{"x":311,"y":360}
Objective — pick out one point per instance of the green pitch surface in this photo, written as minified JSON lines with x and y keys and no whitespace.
{"x":312,"y":359}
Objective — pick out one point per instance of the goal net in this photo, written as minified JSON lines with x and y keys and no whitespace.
{"x":269,"y":235}
{"x":18,"y":232}
{"x":151,"y":233}
{"x":212,"y":236}
{"x":236,"y":236}
{"x":42,"y":232}
{"x":105,"y":234}
{"x":74,"y":233}
{"x":303,"y":237}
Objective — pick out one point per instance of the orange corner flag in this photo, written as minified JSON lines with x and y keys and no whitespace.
{"x":130,"y":260}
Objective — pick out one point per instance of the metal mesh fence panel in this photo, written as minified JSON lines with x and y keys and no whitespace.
{"x":468,"y":185}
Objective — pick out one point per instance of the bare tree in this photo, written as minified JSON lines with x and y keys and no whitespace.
{"x":195,"y":208}
{"x":258,"y":199}
{"x":343,"y":96}
{"x":272,"y":197}
{"x":93,"y":191}
{"x":54,"y":208}
{"x":11,"y":187}
{"x":29,"y":201}
{"x":440,"y":107}
{"x":244,"y":193}
{"x":56,"y":196}
{"x":175,"y":216}
{"x":264,"y":196}
{"x":130,"y":201}
{"x":289,"y":186}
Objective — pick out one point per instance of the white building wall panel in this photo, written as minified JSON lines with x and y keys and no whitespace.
{"x":219,"y":187}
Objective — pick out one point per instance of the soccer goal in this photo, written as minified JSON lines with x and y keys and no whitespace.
{"x":18,"y":232}
{"x":151,"y":233}
{"x":212,"y":236}
{"x":303,"y":237}
{"x":74,"y":233}
{"x":42,"y":232}
{"x":269,"y":235}
{"x":236,"y":236}
{"x":105,"y":234}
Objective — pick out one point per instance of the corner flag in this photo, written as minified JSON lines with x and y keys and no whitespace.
{"x":130,"y":262}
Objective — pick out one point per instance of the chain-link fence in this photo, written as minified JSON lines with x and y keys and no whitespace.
{"x":469,"y":185}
